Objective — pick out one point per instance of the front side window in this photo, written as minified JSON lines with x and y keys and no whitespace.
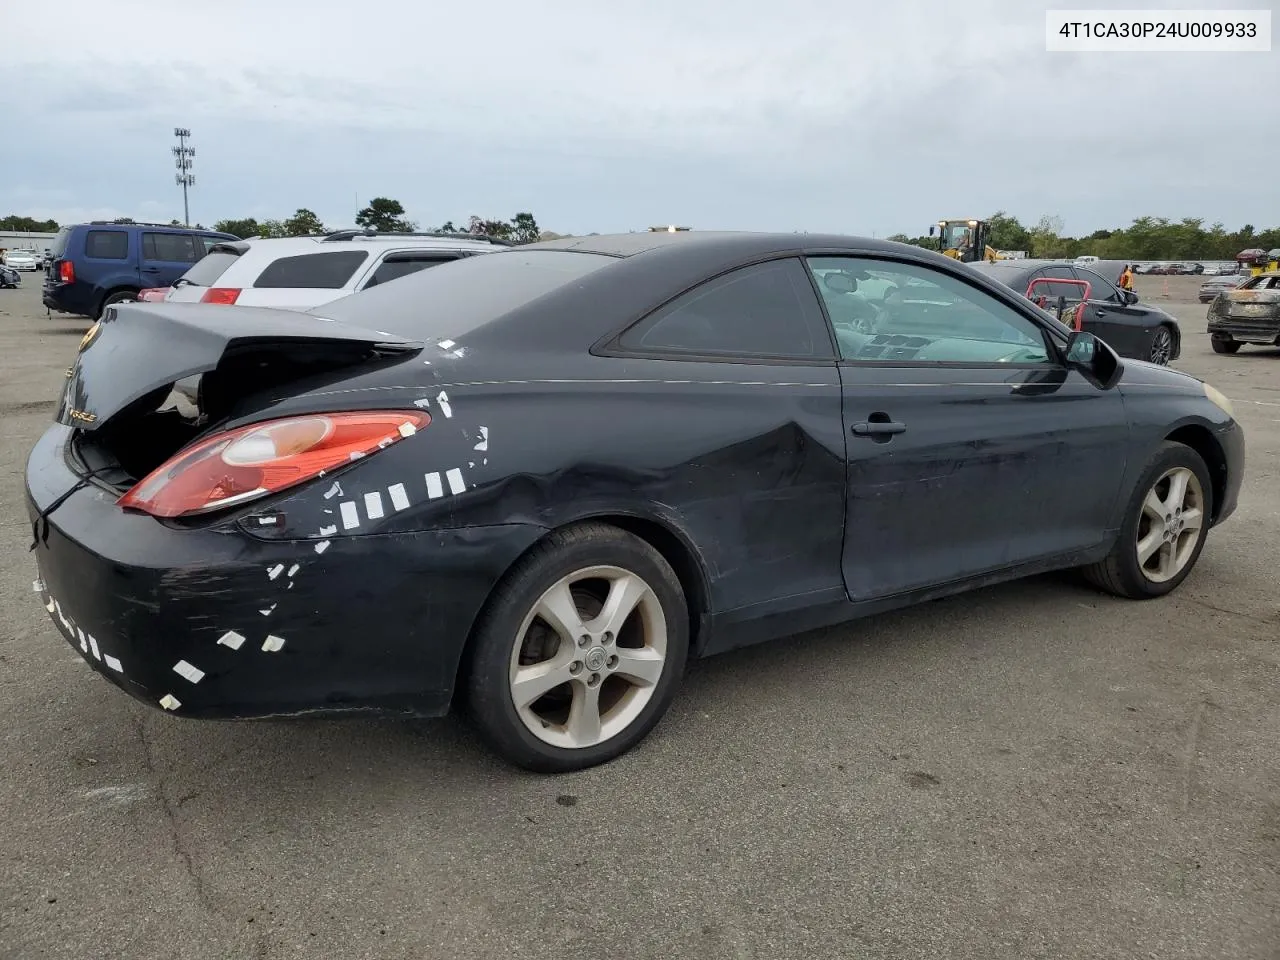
{"x":884,"y":311}
{"x":1099,"y":287}
{"x":312,"y":271}
{"x":764,"y":311}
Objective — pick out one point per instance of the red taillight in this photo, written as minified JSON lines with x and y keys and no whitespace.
{"x":67,"y":272}
{"x":152,"y":294}
{"x":226,"y":296}
{"x":242,"y":465}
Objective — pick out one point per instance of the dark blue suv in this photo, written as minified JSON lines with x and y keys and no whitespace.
{"x":100,"y":263}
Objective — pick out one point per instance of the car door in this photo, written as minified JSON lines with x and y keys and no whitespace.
{"x":971,"y":447}
{"x":166,"y":256}
{"x":1126,"y":327}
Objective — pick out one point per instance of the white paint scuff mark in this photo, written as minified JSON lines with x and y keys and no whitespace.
{"x":447,"y":344}
{"x":435,"y":490}
{"x":407,"y":429}
{"x":484,"y":440}
{"x":188,"y":671}
{"x":355,"y":455}
{"x":373,"y":505}
{"x":471,"y":464}
{"x":62,"y":616}
{"x":328,"y":531}
{"x":350,"y":515}
{"x":423,"y":403}
{"x":484,"y":462}
{"x":49,"y":606}
{"x":266,"y":521}
{"x":170,"y":702}
{"x":456,"y":483}
{"x":267,"y":611}
{"x":231,"y":639}
{"x":113,"y":663}
{"x":322,"y":546}
{"x":294,"y":569}
{"x":443,"y":400}
{"x":333,"y":491}
{"x":399,"y":496}
{"x":93,"y":645}
{"x":121,"y":796}
{"x":273,"y":644}
{"x":37,"y":586}
{"x":275,"y":571}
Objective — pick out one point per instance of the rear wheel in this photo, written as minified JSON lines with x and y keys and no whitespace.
{"x":118,"y":297}
{"x":1164,"y":530}
{"x":1221,"y":345}
{"x":579,"y":652}
{"x":1161,"y":346}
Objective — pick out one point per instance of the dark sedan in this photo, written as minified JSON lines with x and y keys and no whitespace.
{"x":534,"y":484}
{"x":1140,"y":331}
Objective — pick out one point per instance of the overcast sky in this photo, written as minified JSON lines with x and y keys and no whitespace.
{"x":823,"y":115}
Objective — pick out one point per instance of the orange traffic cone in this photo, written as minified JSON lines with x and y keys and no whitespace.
{"x":1164,"y":290}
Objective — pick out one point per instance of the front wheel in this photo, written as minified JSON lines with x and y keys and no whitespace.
{"x":1161,"y":346}
{"x":1164,"y":529}
{"x":1224,"y":346}
{"x":579,"y":652}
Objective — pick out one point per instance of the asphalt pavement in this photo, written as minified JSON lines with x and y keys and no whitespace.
{"x":1033,"y":770}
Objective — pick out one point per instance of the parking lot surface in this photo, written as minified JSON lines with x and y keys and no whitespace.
{"x":1033,"y":770}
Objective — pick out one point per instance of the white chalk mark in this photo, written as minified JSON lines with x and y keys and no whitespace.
{"x":484,"y":461}
{"x":427,"y":362}
{"x":399,"y":496}
{"x":267,"y":521}
{"x":275,"y":571}
{"x":447,"y":344}
{"x":443,"y":400}
{"x":456,"y":483}
{"x":322,"y":546}
{"x":484,"y":439}
{"x":267,"y":611}
{"x":49,"y":606}
{"x":434,"y":489}
{"x":188,"y":671}
{"x":407,"y":429}
{"x":231,"y":639}
{"x":93,"y":645}
{"x":423,"y":403}
{"x":471,"y":464}
{"x":350,"y":516}
{"x":170,"y":702}
{"x":373,"y":505}
{"x":273,"y":644}
{"x":334,"y":491}
{"x":355,"y":455}
{"x":37,"y":586}
{"x":113,"y":663}
{"x":62,"y":616}
{"x":294,"y":569}
{"x":328,"y":531}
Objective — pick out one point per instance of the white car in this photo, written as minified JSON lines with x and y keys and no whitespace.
{"x":23,"y":259}
{"x":298,"y":273}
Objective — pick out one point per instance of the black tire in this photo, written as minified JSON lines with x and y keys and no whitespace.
{"x":117,"y":297}
{"x":487,"y":676}
{"x":1162,"y":345}
{"x":1224,"y":346}
{"x":1119,"y":572}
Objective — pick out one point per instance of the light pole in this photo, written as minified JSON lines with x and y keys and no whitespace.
{"x":182,"y":160}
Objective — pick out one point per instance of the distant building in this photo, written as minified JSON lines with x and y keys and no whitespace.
{"x":671,"y":229}
{"x":15,"y":240}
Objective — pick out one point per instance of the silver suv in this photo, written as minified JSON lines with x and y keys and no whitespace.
{"x":298,"y":273}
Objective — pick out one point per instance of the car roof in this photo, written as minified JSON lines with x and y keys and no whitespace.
{"x":138,"y":225}
{"x":283,"y":246}
{"x":730,"y":243}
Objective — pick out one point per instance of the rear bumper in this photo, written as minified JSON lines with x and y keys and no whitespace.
{"x":215,"y":623}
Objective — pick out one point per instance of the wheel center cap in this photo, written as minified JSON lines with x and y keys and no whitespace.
{"x":595,"y":659}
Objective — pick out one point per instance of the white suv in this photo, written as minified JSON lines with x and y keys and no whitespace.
{"x":298,"y":273}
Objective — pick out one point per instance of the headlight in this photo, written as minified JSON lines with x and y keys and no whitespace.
{"x":1220,"y":399}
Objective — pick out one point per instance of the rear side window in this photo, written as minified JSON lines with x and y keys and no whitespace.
{"x":170,"y":247}
{"x":208,"y":270}
{"x":59,"y":247}
{"x":107,"y":245}
{"x":767,"y":310}
{"x":402,"y":265}
{"x":316,"y":271}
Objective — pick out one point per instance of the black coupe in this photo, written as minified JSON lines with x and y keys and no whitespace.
{"x":533,"y":484}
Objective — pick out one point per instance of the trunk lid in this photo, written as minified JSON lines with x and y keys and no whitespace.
{"x":120,"y":394}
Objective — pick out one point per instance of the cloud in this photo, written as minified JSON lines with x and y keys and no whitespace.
{"x":716,"y":113}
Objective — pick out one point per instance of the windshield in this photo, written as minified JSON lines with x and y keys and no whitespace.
{"x":956,"y":235}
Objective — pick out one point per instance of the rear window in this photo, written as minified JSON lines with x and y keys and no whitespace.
{"x":466,"y":294}
{"x":315,"y":271}
{"x":107,"y":244}
{"x":59,"y":246}
{"x":210,"y":268}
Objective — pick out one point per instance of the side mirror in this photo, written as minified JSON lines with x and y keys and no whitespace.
{"x":931,"y":229}
{"x":1096,"y":361}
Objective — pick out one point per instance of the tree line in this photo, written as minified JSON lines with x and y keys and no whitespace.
{"x":386,"y":216}
{"x":1147,"y":238}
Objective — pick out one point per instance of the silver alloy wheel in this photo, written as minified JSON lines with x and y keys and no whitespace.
{"x":588,"y":657}
{"x":1170,"y":525}
{"x":1162,"y":346}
